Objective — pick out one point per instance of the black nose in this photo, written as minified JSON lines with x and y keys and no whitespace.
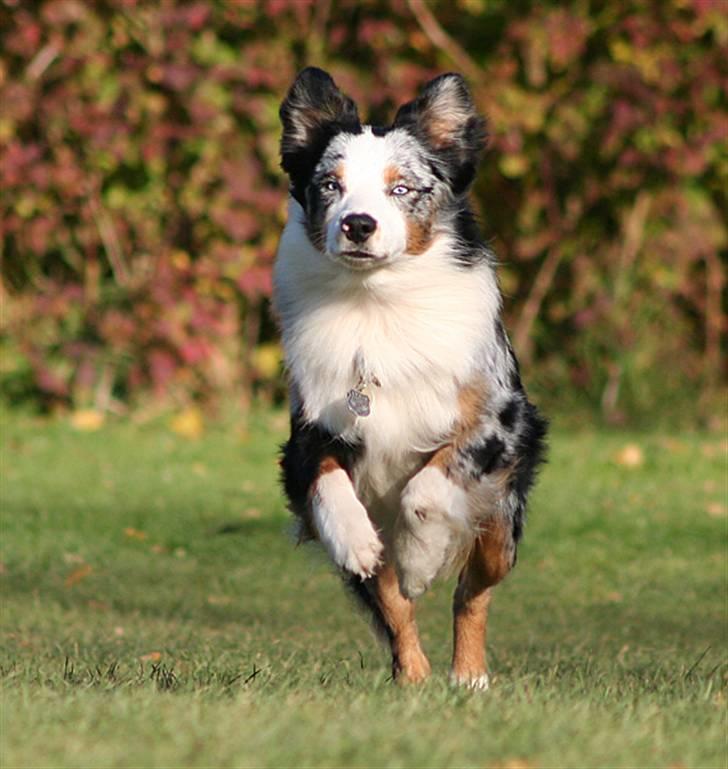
{"x":358,"y":227}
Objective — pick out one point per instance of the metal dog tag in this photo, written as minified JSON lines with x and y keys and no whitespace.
{"x":358,"y":403}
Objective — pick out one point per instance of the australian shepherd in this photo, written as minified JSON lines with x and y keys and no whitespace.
{"x":413,"y":445}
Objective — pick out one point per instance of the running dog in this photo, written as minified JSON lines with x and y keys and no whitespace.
{"x":413,"y":444}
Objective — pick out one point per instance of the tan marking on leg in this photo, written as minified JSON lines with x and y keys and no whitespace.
{"x":490,"y":560}
{"x":328,"y":465}
{"x":409,"y":663}
{"x":469,"y":622}
{"x":306,"y":530}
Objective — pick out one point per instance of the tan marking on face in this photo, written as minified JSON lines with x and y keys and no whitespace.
{"x":419,"y":236}
{"x":392,"y":174}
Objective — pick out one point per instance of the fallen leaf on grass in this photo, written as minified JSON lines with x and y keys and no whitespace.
{"x":77,"y":575}
{"x":615,"y":597}
{"x":188,"y":423}
{"x":712,"y":450}
{"x":151,"y":657}
{"x":87,"y":420}
{"x":630,"y":456}
{"x":716,"y":510}
{"x":132,"y":533}
{"x":673,"y":445}
{"x":219,"y":600}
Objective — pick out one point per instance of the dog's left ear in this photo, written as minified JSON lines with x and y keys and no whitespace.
{"x":445,"y":118}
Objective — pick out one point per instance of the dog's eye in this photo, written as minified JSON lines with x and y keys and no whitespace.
{"x":400,"y":189}
{"x":331,"y":185}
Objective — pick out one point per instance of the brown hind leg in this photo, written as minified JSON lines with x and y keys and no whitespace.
{"x":492,"y":557}
{"x":397,"y":615}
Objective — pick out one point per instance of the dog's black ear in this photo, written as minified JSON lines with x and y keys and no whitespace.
{"x":445,"y":118}
{"x":312,"y":112}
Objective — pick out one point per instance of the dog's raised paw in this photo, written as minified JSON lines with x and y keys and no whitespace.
{"x":364,"y":552}
{"x":344,"y":527}
{"x":433,"y":509}
{"x":428,"y":496}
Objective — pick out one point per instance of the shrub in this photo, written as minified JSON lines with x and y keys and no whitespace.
{"x":141,"y":195}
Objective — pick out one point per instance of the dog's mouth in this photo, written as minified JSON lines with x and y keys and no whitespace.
{"x":361,"y":259}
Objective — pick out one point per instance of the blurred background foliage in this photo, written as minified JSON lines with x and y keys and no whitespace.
{"x":141,"y":197}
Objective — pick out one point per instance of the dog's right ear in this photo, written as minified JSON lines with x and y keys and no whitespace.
{"x":312,"y":112}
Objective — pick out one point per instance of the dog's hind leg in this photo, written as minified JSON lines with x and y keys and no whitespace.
{"x":394,"y":618}
{"x":492,"y":557}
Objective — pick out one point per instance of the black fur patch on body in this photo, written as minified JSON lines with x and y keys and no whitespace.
{"x":530,"y":452}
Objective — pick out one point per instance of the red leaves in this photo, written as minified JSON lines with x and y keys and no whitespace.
{"x":141,"y":195}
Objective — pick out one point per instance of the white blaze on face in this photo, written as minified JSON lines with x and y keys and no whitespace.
{"x":364,"y":169}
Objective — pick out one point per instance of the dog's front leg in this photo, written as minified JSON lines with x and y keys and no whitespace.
{"x":432,"y":527}
{"x":342,"y":523}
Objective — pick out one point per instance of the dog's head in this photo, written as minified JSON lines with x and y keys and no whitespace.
{"x":375,"y":195}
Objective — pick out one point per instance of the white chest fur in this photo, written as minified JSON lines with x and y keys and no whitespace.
{"x":417,"y":326}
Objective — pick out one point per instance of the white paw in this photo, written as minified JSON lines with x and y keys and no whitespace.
{"x":479,"y":683}
{"x":363,"y":554}
{"x":431,"y":531}
{"x":430,"y":495}
{"x":343,"y":525}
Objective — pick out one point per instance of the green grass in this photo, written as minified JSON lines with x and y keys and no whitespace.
{"x":156,"y":613}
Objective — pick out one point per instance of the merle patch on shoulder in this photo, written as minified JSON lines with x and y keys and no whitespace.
{"x":387,"y":295}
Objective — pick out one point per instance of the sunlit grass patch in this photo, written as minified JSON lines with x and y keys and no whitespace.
{"x":156,"y":612}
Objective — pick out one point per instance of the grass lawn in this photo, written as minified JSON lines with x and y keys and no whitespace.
{"x":156,"y":613}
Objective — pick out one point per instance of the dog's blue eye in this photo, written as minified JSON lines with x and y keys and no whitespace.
{"x":331,"y":185}
{"x":400,"y":189}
